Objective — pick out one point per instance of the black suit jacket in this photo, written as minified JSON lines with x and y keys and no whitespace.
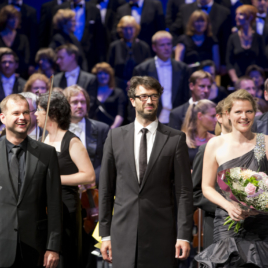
{"x":152,"y":19}
{"x":27,"y":217}
{"x":85,"y":80}
{"x":180,"y":83}
{"x":17,"y":88}
{"x":260,"y":124}
{"x":144,"y":221}
{"x":96,"y":133}
{"x":177,"y":116}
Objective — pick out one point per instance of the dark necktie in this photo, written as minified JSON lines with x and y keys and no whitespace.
{"x":133,"y":4}
{"x":130,"y":64}
{"x":143,"y":154}
{"x":15,"y":169}
{"x":263,"y":18}
{"x":204,"y":8}
{"x":78,"y":5}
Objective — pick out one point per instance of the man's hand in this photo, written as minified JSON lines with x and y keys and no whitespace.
{"x":183,"y":246}
{"x":106,"y":246}
{"x":51,"y":259}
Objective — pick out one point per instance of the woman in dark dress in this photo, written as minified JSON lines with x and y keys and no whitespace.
{"x":64,"y":22}
{"x":75,"y":169}
{"x":9,"y":22}
{"x":244,"y":47}
{"x":198,"y":44}
{"x":125,"y":54}
{"x":240,"y":148}
{"x":199,"y":120}
{"x":111,"y":100}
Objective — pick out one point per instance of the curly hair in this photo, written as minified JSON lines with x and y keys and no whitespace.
{"x":6,"y":13}
{"x":59,"y":110}
{"x":32,"y":79}
{"x":62,"y":17}
{"x":105,"y":67}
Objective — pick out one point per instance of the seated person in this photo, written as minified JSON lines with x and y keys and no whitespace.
{"x":37,"y":84}
{"x":46,"y":61}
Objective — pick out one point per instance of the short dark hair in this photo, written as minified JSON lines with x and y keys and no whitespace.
{"x":59,"y":110}
{"x":206,"y":63}
{"x":9,"y":52}
{"x":7,"y":12}
{"x":46,"y":53}
{"x":70,"y":49}
{"x":200,"y":74}
{"x":146,"y":81}
{"x":257,"y":68}
{"x":242,"y":78}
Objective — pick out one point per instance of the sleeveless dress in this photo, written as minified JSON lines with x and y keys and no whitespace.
{"x":248,"y":248}
{"x":72,"y":226}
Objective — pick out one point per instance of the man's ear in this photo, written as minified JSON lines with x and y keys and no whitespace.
{"x":154,"y":48}
{"x":3,"y":118}
{"x":191,"y":86}
{"x":132,"y":102}
{"x":266,"y":95}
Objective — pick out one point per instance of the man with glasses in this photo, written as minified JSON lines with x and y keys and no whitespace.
{"x":141,"y":163}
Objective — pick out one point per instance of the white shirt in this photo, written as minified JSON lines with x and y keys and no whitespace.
{"x":164,"y":72}
{"x":33,"y":134}
{"x":79,"y":130}
{"x":136,"y":11}
{"x":191,"y":101}
{"x":260,"y":23}
{"x":103,"y":9}
{"x":208,"y":6}
{"x":8,"y":84}
{"x":72,"y":76}
{"x":189,"y":1}
{"x":80,"y":17}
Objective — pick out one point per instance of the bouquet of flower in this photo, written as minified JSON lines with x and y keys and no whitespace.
{"x":247,"y":188}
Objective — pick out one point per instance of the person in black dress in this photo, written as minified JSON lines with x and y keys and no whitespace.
{"x":199,"y":120}
{"x":111,"y":100}
{"x":125,"y":54}
{"x":75,"y":169}
{"x":9,"y":22}
{"x":198,"y":44}
{"x":64,"y":23}
{"x":244,"y":47}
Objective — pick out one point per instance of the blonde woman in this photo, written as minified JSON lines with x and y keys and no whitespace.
{"x":37,"y":84}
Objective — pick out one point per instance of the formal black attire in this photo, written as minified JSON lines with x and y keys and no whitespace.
{"x":114,"y":105}
{"x":200,"y":201}
{"x":177,"y":116}
{"x":239,"y":58}
{"x":62,"y":38}
{"x":152,"y":19}
{"x":72,"y":226}
{"x":143,"y":226}
{"x":85,"y":80}
{"x":247,"y":248}
{"x":222,"y":94}
{"x":173,"y":7}
{"x":194,"y":53}
{"x":192,"y":153}
{"x":260,"y":124}
{"x":27,"y":231}
{"x":20,"y":46}
{"x":124,"y":59}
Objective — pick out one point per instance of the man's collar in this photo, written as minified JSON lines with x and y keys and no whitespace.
{"x":23,"y":144}
{"x":82,"y":122}
{"x":263,"y":15}
{"x":151,"y":128}
{"x":161,"y":62}
{"x":191,"y":101}
{"x":208,"y":5}
{"x":73,"y":72}
{"x":11,"y":78}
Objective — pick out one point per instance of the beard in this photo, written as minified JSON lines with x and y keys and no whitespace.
{"x":148,"y":116}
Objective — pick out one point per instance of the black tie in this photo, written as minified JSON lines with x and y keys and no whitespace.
{"x":263,"y":18}
{"x":15,"y":169}
{"x":78,"y":5}
{"x":143,"y":154}
{"x":204,"y":8}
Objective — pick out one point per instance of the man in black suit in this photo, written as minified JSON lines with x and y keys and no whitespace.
{"x":142,"y":177}
{"x":30,"y":199}
{"x":89,"y":29}
{"x":148,"y":14}
{"x":200,"y":84}
{"x":71,"y":74}
{"x":9,"y":83}
{"x":219,"y":17}
{"x":172,"y":75}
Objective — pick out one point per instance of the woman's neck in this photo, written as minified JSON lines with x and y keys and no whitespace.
{"x":198,"y":36}
{"x":103,"y":89}
{"x":53,"y":131}
{"x":201,"y":134}
{"x":242,"y":137}
{"x":246,"y":30}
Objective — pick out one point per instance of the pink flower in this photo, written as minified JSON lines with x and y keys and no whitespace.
{"x":264,"y":175}
{"x":266,"y":182}
{"x":250,"y":189}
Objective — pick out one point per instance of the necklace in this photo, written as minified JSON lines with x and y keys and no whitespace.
{"x":201,"y":140}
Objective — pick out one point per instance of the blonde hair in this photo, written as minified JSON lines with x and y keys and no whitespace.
{"x":189,"y":126}
{"x":160,"y":34}
{"x":248,"y":10}
{"x":196,"y":15}
{"x":200,"y":74}
{"x":105,"y":67}
{"x":32,"y":79}
{"x":14,"y":97}
{"x":128,"y":21}
{"x":62,"y":17}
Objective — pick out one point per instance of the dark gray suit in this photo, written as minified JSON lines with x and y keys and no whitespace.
{"x":177,"y":116}
{"x":27,"y":218}
{"x":143,"y":227}
{"x":260,"y":124}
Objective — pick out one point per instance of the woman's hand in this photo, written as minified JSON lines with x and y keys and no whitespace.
{"x":235,"y":212}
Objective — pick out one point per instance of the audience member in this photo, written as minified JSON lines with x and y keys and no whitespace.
{"x":244,"y":47}
{"x":37,"y":84}
{"x":128,"y":52}
{"x":45,"y":58}
{"x":88,"y":30}
{"x":172,"y":75}
{"x":111,"y":101}
{"x":200,"y":84}
{"x":147,"y":13}
{"x":64,"y":22}
{"x":9,"y":37}
{"x":9,"y":83}
{"x":199,"y":120}
{"x":258,"y":75}
{"x":71,"y":74}
{"x":219,"y":16}
{"x":198,"y":44}
{"x":217,"y":93}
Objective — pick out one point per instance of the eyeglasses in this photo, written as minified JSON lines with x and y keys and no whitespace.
{"x":144,"y":97}
{"x":40,"y":110}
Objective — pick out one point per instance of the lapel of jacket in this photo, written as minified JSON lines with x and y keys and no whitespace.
{"x":262,"y":126}
{"x":160,"y":140}
{"x":15,"y":86}
{"x":31,"y":163}
{"x":5,"y":181}
{"x":63,"y":81}
{"x":91,"y":139}
{"x":2,"y":92}
{"x":176,"y":78}
{"x":152,"y":69}
{"x":144,"y":11}
{"x":128,"y":136}
{"x":81,"y":80}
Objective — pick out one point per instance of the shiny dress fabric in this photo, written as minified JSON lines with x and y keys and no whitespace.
{"x":248,"y":248}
